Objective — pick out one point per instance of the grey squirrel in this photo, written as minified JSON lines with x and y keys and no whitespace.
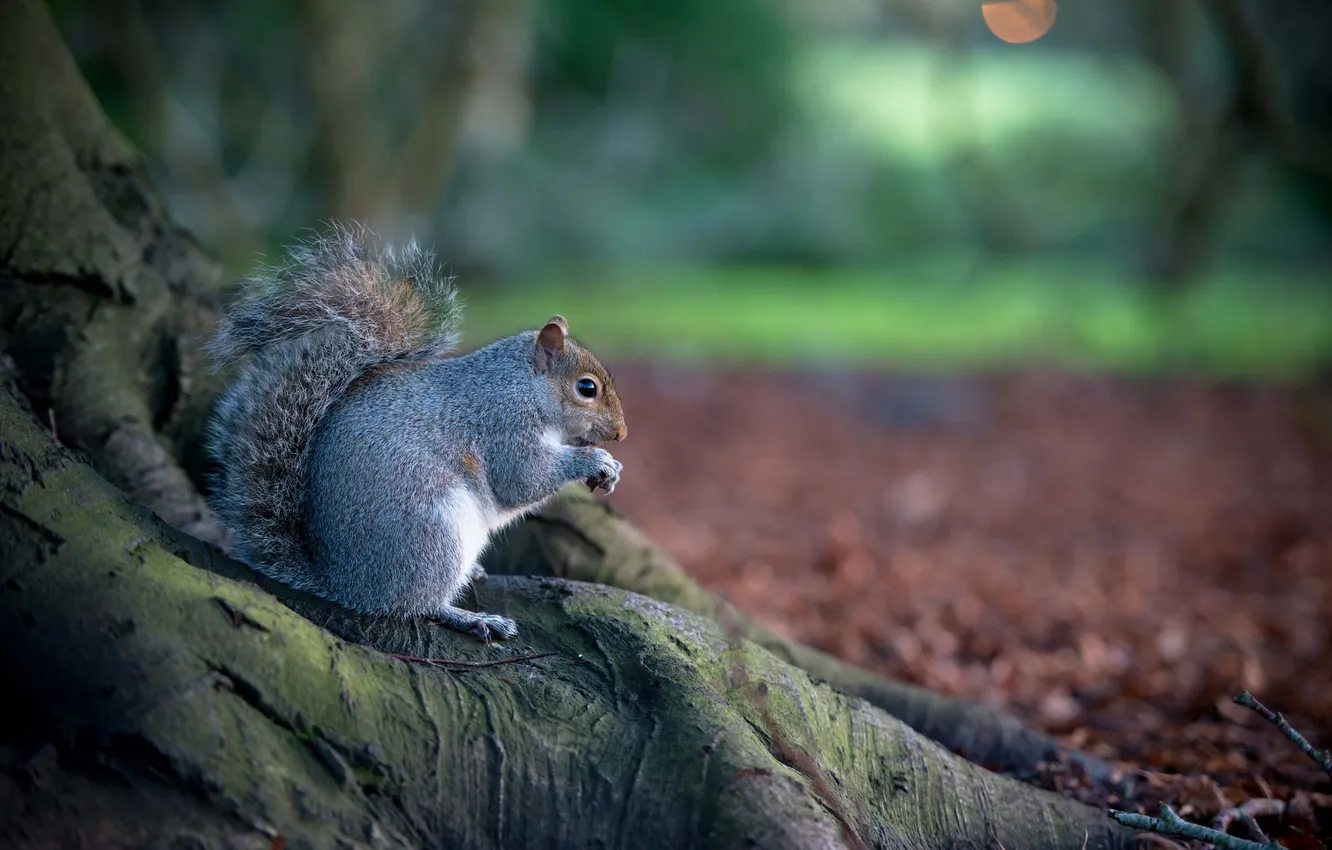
{"x":359,"y":461}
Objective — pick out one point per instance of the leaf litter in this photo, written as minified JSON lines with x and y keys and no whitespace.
{"x":1108,"y":559}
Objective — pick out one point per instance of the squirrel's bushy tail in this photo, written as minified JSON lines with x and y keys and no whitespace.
{"x":341,"y":303}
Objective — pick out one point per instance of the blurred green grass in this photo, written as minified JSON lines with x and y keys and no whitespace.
{"x":1234,"y":324}
{"x":1073,"y":135}
{"x":920,"y":104}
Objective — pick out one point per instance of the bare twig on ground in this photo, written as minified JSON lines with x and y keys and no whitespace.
{"x":1245,"y":814}
{"x":471,"y":665}
{"x":1322,"y":757}
{"x":1170,"y":823}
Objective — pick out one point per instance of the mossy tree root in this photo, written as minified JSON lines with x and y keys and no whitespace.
{"x":579,"y":538}
{"x":166,"y":694}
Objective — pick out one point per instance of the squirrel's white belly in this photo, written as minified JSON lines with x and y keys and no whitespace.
{"x":473,"y":520}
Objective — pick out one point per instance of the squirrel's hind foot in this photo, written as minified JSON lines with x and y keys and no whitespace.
{"x":487,"y":627}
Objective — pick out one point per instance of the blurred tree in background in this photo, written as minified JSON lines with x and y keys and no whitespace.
{"x":513,"y":117}
{"x":526,"y":137}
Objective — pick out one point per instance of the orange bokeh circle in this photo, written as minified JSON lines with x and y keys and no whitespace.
{"x":1019,"y":21}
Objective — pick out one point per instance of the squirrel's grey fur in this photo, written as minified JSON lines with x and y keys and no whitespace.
{"x":358,"y":461}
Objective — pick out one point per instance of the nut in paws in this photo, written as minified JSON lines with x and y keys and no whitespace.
{"x":607,"y":474}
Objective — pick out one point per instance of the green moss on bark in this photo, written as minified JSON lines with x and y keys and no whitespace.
{"x":578,"y":537}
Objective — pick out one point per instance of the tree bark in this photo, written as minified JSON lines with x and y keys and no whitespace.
{"x":104,"y":302}
{"x":170,"y":697}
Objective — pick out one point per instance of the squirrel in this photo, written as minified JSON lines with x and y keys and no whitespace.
{"x":360,"y":458}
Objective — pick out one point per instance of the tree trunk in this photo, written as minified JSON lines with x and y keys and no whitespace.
{"x":168,"y":697}
{"x":104,"y":302}
{"x":376,"y":178}
{"x":1276,"y":103}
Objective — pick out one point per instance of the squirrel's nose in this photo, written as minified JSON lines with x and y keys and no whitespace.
{"x":621,"y":433}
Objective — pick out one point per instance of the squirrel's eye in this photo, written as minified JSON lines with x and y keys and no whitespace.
{"x":587,"y":388}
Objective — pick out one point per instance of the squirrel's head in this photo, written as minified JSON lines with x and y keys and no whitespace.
{"x":584,"y":389}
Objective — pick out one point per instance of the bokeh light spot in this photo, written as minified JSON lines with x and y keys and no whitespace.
{"x":1019,"y":21}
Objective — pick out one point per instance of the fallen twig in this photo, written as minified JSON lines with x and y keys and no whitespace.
{"x":1245,"y":814}
{"x":470,"y":665}
{"x":1322,"y":757}
{"x":1170,"y":823}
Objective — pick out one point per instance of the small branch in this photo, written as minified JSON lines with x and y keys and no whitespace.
{"x":1245,"y":814}
{"x":1322,"y":757}
{"x":1170,"y":823}
{"x":470,"y":665}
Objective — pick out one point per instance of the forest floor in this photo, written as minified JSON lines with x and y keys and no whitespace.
{"x":1108,"y":559}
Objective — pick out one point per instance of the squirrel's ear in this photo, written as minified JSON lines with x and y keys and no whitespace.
{"x":550,"y":342}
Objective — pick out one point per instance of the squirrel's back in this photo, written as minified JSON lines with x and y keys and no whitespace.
{"x":303,"y":331}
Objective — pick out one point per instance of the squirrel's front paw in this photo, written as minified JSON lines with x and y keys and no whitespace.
{"x":607,"y":474}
